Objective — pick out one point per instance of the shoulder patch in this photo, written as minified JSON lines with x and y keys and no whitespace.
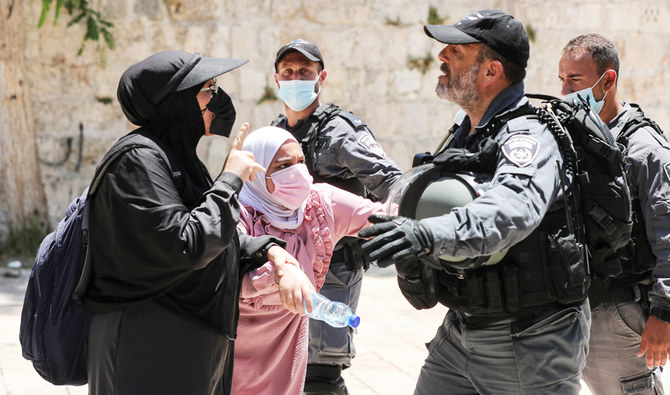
{"x":667,"y":170}
{"x":521,"y":149}
{"x":353,"y":120}
{"x":371,"y":145}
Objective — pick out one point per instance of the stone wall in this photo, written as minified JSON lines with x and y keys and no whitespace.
{"x":368,"y":47}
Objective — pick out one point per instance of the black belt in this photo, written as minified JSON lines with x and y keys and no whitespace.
{"x":634,"y":293}
{"x":521,"y":319}
{"x":348,"y":251}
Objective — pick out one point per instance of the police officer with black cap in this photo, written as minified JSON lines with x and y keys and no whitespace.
{"x":340,"y":150}
{"x":520,"y":324}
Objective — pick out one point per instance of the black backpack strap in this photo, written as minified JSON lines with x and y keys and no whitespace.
{"x":280,"y":118}
{"x":637,"y":120}
{"x":448,"y":138}
{"x":322,"y":115}
{"x":353,"y":120}
{"x":135,"y":139}
{"x":500,"y":120}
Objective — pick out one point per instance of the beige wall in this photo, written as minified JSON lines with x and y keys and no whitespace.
{"x":366,"y":58}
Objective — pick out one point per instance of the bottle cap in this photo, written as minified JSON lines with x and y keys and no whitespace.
{"x":354,"y":320}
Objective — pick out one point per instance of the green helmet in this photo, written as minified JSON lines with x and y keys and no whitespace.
{"x":425,"y":191}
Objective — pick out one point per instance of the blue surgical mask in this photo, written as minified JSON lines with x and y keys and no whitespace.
{"x":587,"y":94}
{"x":298,"y":94}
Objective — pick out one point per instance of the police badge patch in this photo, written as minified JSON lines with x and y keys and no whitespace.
{"x":521,"y":149}
{"x":667,"y":170}
{"x":371,"y":145}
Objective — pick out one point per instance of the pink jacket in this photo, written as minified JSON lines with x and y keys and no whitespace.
{"x":271,"y":345}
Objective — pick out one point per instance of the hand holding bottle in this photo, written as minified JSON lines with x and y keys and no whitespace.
{"x":335,"y":314}
{"x":294,"y":288}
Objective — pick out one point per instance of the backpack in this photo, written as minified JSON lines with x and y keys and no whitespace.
{"x":54,"y":322}
{"x":601,"y":211}
{"x":603,"y":202}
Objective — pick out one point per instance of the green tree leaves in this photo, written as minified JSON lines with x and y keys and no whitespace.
{"x":97,"y":28}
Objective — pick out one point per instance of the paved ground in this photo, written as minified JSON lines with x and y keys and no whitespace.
{"x":390,"y":341}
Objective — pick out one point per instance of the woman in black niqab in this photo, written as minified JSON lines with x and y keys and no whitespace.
{"x":166,"y":261}
{"x":176,"y":119}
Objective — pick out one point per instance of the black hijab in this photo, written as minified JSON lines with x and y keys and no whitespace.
{"x":159,"y":95}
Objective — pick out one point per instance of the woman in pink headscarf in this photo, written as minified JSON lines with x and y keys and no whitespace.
{"x":271,"y":347}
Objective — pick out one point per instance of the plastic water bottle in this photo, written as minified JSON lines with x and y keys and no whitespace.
{"x":335,"y":314}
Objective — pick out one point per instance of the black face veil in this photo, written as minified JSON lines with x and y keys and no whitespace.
{"x":224,"y":113}
{"x":159,"y":95}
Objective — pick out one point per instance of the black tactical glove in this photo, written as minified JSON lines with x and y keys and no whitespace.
{"x":395,"y":239}
{"x":457,"y":159}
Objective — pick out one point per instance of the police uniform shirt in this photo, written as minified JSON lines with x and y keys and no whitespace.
{"x":345,"y":152}
{"x":648,"y":171}
{"x":525,"y":186}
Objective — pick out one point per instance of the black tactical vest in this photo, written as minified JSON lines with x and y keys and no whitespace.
{"x":314,"y":140}
{"x":548,"y":267}
{"x":637,"y":258}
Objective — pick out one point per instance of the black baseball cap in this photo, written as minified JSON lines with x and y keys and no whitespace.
{"x":498,"y":30}
{"x":306,"y":48}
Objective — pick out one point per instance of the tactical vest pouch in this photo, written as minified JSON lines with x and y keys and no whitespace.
{"x":494,"y":291}
{"x":638,"y":257}
{"x":565,"y":267}
{"x":418,"y":284}
{"x":643,"y":259}
{"x":547,"y":267}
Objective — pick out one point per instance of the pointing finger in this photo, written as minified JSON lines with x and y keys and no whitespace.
{"x":241,"y":135}
{"x":255,"y":167}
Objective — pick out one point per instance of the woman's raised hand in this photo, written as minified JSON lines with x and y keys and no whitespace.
{"x":242,"y":162}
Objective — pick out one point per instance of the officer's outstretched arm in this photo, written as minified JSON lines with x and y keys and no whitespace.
{"x":395,"y":239}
